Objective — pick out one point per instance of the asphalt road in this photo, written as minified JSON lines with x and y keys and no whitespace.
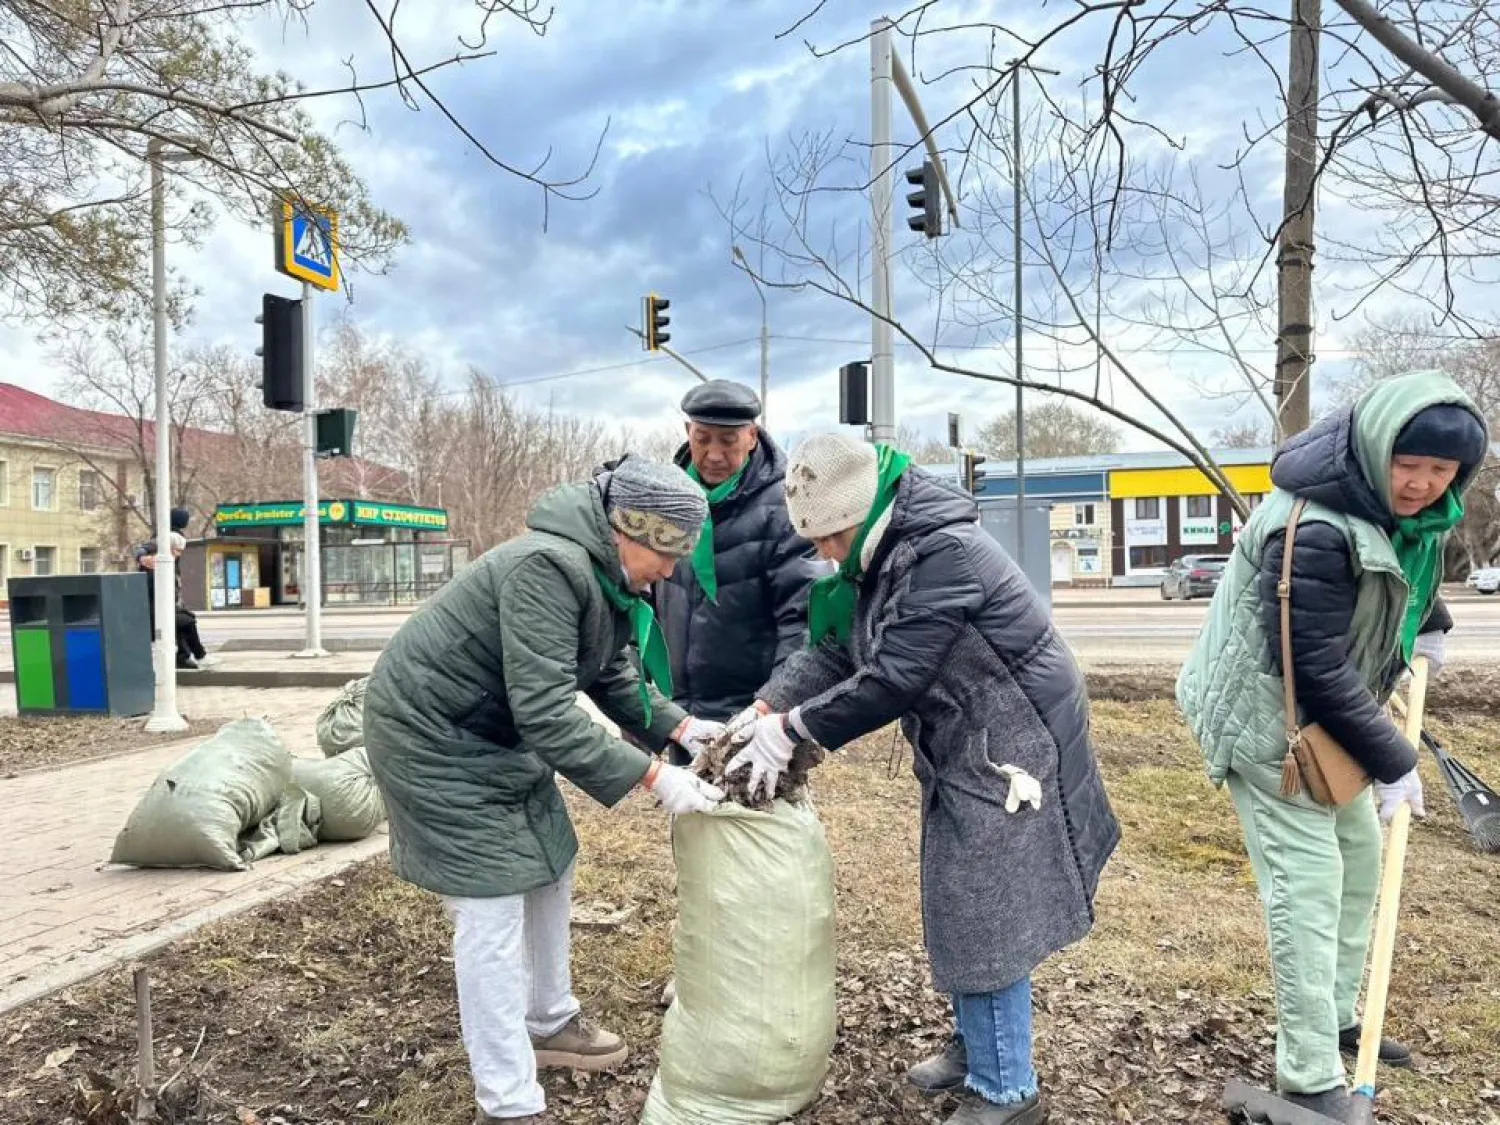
{"x":1146,"y":633}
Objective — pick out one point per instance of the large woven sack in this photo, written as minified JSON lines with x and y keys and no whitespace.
{"x":748,"y":1038}
{"x":211,"y":808}
{"x":341,"y":726}
{"x":345,"y":788}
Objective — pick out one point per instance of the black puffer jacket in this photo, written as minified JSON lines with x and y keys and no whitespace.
{"x":722,"y":653}
{"x":1321,"y":464}
{"x":950,"y":638}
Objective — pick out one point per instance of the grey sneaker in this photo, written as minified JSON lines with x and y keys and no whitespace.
{"x":944,"y":1071}
{"x":1033,"y":1111}
{"x":579,"y":1046}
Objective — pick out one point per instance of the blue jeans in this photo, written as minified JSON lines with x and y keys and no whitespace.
{"x":996,"y":1031}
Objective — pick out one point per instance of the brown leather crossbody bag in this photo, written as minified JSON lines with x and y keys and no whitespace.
{"x":1314,"y":759}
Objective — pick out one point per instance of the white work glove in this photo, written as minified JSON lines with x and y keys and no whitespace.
{"x":742,"y":727}
{"x":693,"y":735}
{"x":1024,"y":789}
{"x":682,"y":791}
{"x":1389,"y":797}
{"x":1430,"y":645}
{"x":768,"y":751}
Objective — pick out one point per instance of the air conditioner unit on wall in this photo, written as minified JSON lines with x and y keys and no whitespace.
{"x":26,"y":554}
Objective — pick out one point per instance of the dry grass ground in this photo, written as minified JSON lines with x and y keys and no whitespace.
{"x":35,"y":743}
{"x":338,"y":1006}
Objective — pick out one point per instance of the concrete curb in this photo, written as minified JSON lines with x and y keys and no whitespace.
{"x":284,"y":644}
{"x":253,"y":678}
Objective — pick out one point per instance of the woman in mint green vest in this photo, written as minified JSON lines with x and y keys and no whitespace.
{"x":1383,"y":483}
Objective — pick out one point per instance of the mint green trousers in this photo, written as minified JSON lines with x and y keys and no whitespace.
{"x":1318,"y":871}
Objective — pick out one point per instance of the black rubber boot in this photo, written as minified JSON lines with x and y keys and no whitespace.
{"x":944,"y":1071}
{"x":1336,"y":1105}
{"x":1033,"y":1111}
{"x":1391,"y":1052}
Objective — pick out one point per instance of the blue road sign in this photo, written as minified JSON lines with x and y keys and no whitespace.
{"x":307,"y":244}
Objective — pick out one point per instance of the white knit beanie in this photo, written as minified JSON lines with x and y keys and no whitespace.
{"x":830,"y":484}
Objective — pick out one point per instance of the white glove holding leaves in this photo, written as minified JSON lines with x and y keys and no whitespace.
{"x":1024,"y":789}
{"x":742,"y":727}
{"x":1389,"y":797}
{"x":1431,"y":645}
{"x":767,"y":752}
{"x":693,"y":735}
{"x":682,"y":791}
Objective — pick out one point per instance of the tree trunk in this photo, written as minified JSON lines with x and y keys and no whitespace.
{"x":1295,"y":261}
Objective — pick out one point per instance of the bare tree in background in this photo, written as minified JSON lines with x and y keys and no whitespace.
{"x":1053,"y":429}
{"x":1244,"y":435}
{"x":922,"y":446}
{"x":85,"y":85}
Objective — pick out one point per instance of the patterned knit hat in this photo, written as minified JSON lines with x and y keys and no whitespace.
{"x":830,"y":484}
{"x":659,"y":506}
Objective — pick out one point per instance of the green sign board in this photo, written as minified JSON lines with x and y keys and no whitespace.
{"x":366,"y":513}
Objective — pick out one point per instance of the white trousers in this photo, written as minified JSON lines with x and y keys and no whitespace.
{"x":510,"y":956}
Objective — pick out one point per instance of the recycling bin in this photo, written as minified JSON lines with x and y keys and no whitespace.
{"x":81,"y":644}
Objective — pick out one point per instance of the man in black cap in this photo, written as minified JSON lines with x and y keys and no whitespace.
{"x":737,"y":606}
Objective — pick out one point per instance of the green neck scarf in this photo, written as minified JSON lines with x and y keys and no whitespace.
{"x":830,"y":603}
{"x":1418,"y":541}
{"x":703,"y":550}
{"x":656,"y":666}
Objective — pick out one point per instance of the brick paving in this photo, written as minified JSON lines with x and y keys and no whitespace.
{"x":65,"y":915}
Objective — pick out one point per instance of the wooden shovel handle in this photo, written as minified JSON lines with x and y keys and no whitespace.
{"x":1383,"y":947}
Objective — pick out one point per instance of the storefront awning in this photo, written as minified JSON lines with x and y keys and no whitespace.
{"x":358,"y":513}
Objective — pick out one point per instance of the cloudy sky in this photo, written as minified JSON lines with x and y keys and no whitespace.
{"x":695,"y":96}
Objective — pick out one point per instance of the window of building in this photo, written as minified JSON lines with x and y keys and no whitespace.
{"x":42,"y":482}
{"x":1200,"y":507}
{"x":1254,"y":499}
{"x":4,"y":484}
{"x":90,"y":491}
{"x":1148,"y":558}
{"x":88,"y":560}
{"x":45,"y":561}
{"x":1148,"y":507}
{"x":1083,"y":515}
{"x":1088,"y":560}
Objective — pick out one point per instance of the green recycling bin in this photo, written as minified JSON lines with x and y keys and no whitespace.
{"x":81,"y":644}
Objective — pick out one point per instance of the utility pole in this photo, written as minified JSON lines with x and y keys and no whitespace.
{"x":882,"y":338}
{"x":1294,"y":260}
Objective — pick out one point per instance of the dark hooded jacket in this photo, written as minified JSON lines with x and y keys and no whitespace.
{"x":950,"y":638}
{"x":723,"y":652}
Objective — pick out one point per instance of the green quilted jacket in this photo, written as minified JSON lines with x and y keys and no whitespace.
{"x":472,"y":710}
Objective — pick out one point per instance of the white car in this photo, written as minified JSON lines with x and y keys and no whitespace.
{"x":1486,"y":581}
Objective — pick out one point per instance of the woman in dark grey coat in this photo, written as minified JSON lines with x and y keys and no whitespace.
{"x":930,"y":622}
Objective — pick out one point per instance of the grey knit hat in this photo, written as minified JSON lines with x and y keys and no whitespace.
{"x":659,"y":506}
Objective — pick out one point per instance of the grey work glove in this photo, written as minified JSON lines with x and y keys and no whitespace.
{"x":1430,"y":645}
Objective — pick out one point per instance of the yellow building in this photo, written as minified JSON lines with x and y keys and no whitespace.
{"x":1160,"y":514}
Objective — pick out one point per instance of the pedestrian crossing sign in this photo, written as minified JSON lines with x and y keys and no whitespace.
{"x":307,"y":243}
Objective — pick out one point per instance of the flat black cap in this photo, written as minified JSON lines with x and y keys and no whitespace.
{"x":721,"y":403}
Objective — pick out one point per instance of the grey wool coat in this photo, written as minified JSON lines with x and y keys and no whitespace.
{"x":950,"y":639}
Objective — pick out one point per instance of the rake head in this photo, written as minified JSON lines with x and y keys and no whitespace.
{"x":1244,"y":1102}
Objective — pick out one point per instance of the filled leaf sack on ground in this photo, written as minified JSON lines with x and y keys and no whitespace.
{"x":341,"y":726}
{"x":748,"y":1038}
{"x":345,"y":788}
{"x":210,"y":808}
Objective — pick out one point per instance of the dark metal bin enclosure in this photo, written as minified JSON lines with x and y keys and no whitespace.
{"x":82,"y":644}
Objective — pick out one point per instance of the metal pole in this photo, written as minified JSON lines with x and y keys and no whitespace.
{"x":312,"y":563}
{"x":1015,"y":106}
{"x":164,"y":715}
{"x":882,"y":340}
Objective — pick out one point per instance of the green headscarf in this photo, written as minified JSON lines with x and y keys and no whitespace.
{"x":703,"y":550}
{"x":656,"y":666}
{"x":1418,"y":541}
{"x":830,"y":603}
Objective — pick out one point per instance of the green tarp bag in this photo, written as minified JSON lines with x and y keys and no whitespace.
{"x":748,"y":1038}
{"x":341,"y":726}
{"x":345,"y":788}
{"x":216,"y":806}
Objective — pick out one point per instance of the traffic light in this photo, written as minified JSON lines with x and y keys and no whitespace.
{"x":854,"y":394}
{"x":928,"y":201}
{"x":655,"y":324}
{"x":973,"y":476}
{"x":281,"y":352}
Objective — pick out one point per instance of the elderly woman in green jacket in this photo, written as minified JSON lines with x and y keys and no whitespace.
{"x":472,"y":712}
{"x":1381,"y":485}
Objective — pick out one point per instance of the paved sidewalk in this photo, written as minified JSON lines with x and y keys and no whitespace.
{"x":65,"y":916}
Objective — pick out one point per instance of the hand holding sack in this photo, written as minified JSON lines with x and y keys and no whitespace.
{"x":767,"y":751}
{"x":679,"y":790}
{"x":695,"y":734}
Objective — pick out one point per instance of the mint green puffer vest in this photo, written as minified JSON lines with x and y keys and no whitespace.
{"x":1231,"y":699}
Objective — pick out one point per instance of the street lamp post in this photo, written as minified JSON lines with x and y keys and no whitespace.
{"x":164,"y":713}
{"x":765,"y":345}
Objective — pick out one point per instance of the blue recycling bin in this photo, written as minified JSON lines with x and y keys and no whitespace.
{"x":81,"y":644}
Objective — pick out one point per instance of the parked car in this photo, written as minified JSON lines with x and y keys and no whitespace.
{"x":1193,"y":576}
{"x":1487,"y":580}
